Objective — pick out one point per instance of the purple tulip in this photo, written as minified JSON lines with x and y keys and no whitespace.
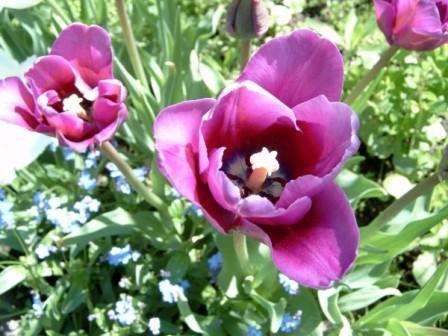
{"x":261,"y":159}
{"x":413,"y":24}
{"x":71,"y":93}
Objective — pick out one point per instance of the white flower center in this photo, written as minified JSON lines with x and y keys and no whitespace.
{"x":72,"y":104}
{"x":266,"y":160}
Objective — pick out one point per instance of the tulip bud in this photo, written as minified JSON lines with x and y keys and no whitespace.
{"x":247,"y":19}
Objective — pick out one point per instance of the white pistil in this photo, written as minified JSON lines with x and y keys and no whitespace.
{"x":263,"y":163}
{"x":72,"y":104}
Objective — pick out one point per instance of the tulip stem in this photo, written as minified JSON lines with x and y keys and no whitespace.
{"x":240,"y":244}
{"x":111,"y":153}
{"x":363,"y":83}
{"x":245,"y":52}
{"x":131,"y":45}
{"x":396,"y":207}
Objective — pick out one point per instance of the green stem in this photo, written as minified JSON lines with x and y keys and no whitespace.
{"x":240,"y":244}
{"x":383,"y":62}
{"x":30,"y":268}
{"x":135,"y":183}
{"x":396,"y":207}
{"x":245,"y":52}
{"x":131,"y":45}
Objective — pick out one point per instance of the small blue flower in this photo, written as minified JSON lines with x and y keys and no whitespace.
{"x":154,"y":325}
{"x":290,"y":286}
{"x":87,"y":181}
{"x":65,"y":219}
{"x":120,"y":182}
{"x":37,"y":305}
{"x":141,"y":173}
{"x":91,"y":159}
{"x":195,"y":211}
{"x":44,"y":251}
{"x":114,"y":172}
{"x":123,"y":186}
{"x":215,"y":264}
{"x":170,"y":292}
{"x":40,"y":201}
{"x":124,"y":311}
{"x":6,"y":215}
{"x":122,"y":256}
{"x":291,"y":323}
{"x":68,"y":153}
{"x":254,"y":331}
{"x":2,"y":194}
{"x":86,"y":207}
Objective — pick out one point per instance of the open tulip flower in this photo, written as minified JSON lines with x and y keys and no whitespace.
{"x":261,"y":159}
{"x":71,"y":93}
{"x":413,"y":24}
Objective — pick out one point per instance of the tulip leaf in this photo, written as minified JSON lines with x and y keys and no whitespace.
{"x":11,"y":277}
{"x":365,"y":297}
{"x":358,"y":187}
{"x":405,"y":306}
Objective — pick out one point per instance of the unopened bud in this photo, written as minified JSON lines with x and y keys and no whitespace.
{"x":247,"y":19}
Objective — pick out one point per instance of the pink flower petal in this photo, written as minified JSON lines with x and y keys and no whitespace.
{"x":223,"y":190}
{"x":297,"y":67}
{"x":52,"y":73}
{"x":88,"y":49}
{"x":385,"y":15}
{"x":328,"y":135}
{"x":243,"y":116}
{"x":176,"y":132}
{"x":318,"y":250}
{"x":260,"y":210}
{"x":17,"y":105}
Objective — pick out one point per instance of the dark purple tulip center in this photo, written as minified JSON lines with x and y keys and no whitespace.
{"x":70,"y":100}
{"x":238,"y":169}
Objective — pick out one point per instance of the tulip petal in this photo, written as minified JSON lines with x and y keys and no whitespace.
{"x":297,"y":67}
{"x":88,"y":49}
{"x":52,"y":73}
{"x":318,"y":250}
{"x":223,"y":190}
{"x":418,"y":25}
{"x":176,"y":132}
{"x":260,"y":210}
{"x":385,"y":15}
{"x":17,"y":105}
{"x":71,"y":126}
{"x":328,"y":136}
{"x":247,"y":118}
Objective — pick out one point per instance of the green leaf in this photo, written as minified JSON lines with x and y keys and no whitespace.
{"x":394,"y":244}
{"x":11,"y":277}
{"x":424,"y":267}
{"x":358,"y":187}
{"x":328,"y":300}
{"x":307,"y":303}
{"x":406,"y":328}
{"x":404,"y":307}
{"x":274,"y":309}
{"x":365,"y":297}
{"x":190,"y":319}
{"x":19,"y":4}
{"x":115,"y":223}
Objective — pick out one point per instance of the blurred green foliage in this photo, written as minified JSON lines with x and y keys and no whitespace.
{"x":399,"y":285}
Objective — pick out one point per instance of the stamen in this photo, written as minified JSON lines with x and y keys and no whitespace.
{"x":263,"y":163}
{"x":72,"y":104}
